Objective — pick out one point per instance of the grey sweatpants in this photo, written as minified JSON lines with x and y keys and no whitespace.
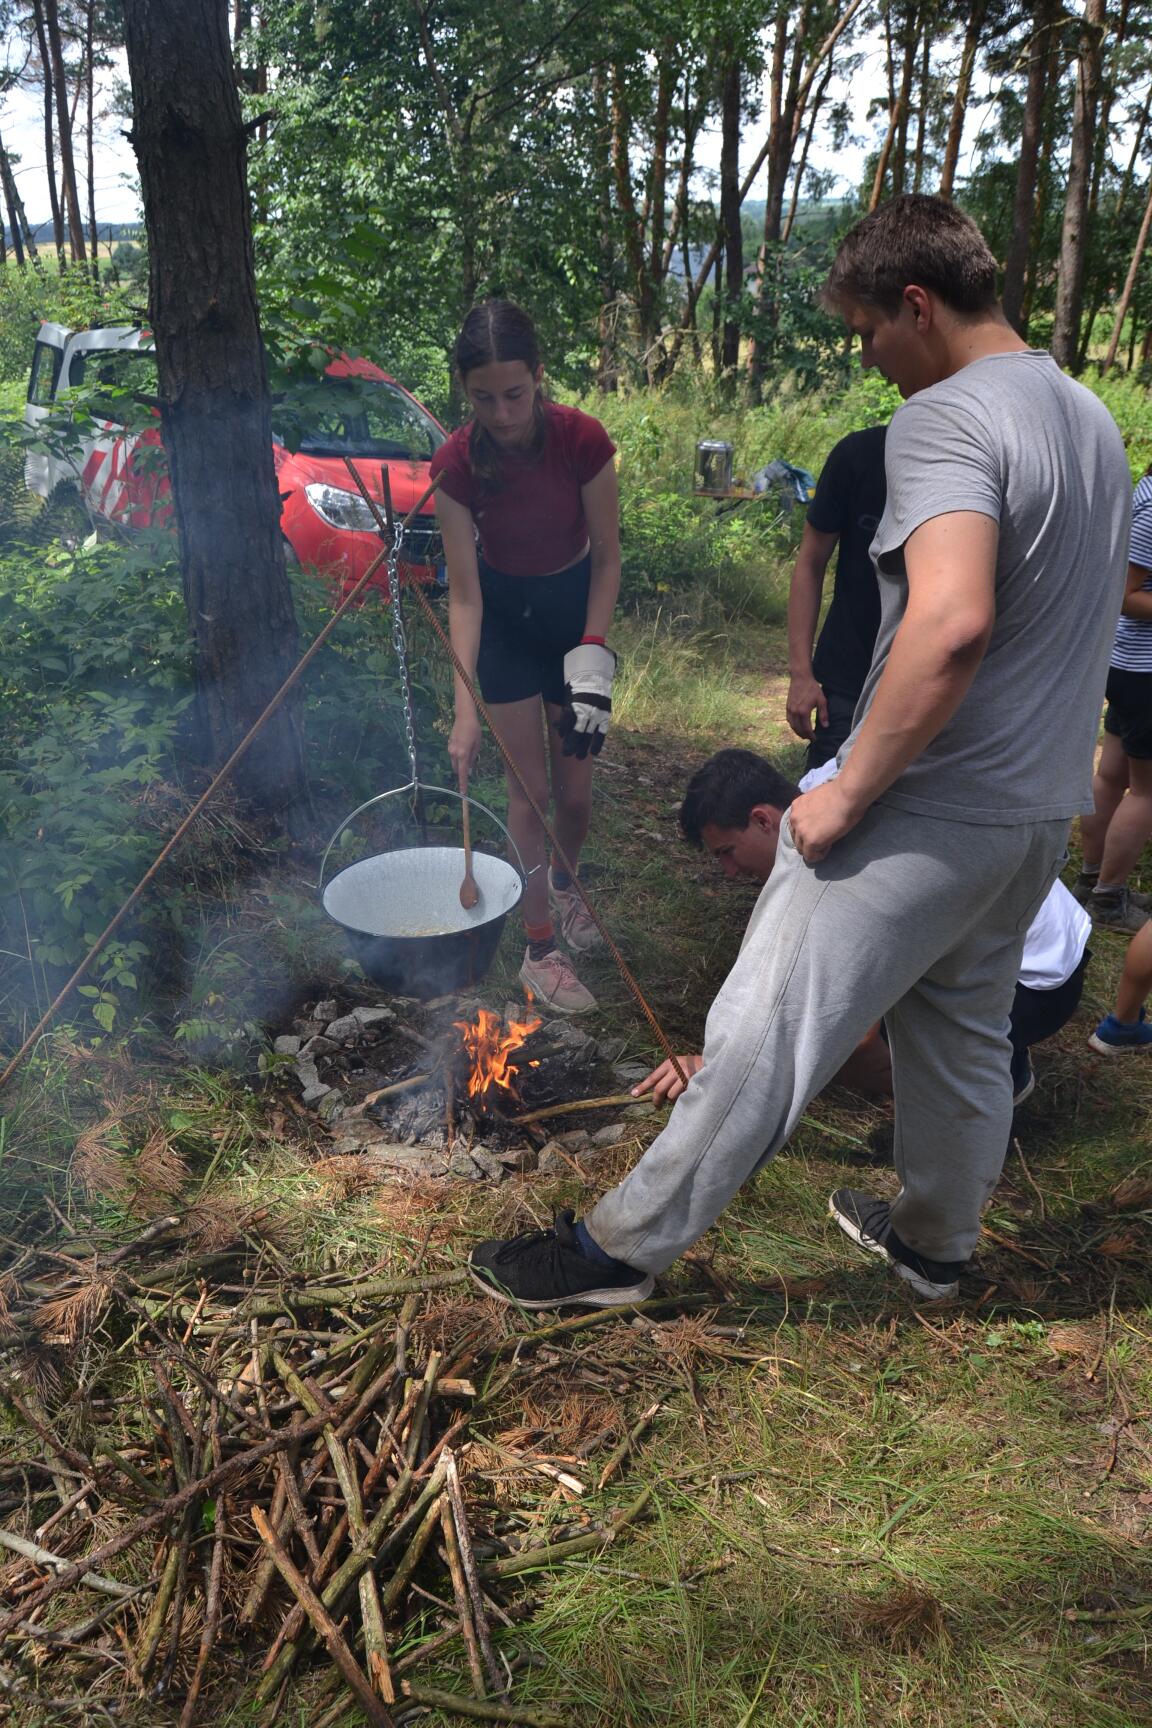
{"x":916,"y":919}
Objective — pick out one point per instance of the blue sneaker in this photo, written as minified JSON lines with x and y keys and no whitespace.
{"x":1112,"y":1037}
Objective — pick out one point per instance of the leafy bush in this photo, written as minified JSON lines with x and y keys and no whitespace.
{"x":94,"y":683}
{"x":28,"y":297}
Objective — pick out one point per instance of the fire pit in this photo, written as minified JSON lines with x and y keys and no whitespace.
{"x":458,"y":1089}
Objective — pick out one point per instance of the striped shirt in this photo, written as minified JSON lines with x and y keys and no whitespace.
{"x":1133,"y":647}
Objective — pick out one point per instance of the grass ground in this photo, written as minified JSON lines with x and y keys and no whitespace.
{"x":863,"y":1512}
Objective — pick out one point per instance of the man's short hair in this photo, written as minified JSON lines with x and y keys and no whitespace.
{"x":913,"y":239}
{"x":727,"y":789}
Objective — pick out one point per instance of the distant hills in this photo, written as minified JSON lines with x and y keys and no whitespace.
{"x":111,"y":233}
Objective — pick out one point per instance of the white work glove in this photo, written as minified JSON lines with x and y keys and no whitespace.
{"x":588,"y":673}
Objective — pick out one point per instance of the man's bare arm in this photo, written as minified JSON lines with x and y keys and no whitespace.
{"x":935,"y":654}
{"x":804,"y":693}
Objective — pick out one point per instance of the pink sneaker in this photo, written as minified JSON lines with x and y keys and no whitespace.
{"x":572,"y":920}
{"x":554,"y":984}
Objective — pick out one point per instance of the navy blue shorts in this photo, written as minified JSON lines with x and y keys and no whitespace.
{"x":1129,"y":712}
{"x":529,"y":624}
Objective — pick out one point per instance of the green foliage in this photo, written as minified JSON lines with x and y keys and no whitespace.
{"x":94,"y":682}
{"x":29,"y":297}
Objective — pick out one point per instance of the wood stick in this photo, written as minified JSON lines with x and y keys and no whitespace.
{"x":211,"y":1616}
{"x":617,"y":1099}
{"x":217,"y":1478}
{"x":496,"y":1680}
{"x":617,"y":1457}
{"x":375,"y":1638}
{"x":45,"y":1557}
{"x":345,"y":1295}
{"x":463,"y":1600}
{"x":397,"y":1086}
{"x":481,"y":1710}
{"x":409,"y":1561}
{"x":283,"y":1517}
{"x":325,"y":1627}
{"x":551,"y":1552}
{"x":420,"y":1414}
{"x":158,"y":1613}
{"x":378,"y":1546}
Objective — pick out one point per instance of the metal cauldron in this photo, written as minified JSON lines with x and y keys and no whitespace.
{"x":402,"y":915}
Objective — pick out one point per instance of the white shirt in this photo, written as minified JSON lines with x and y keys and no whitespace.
{"x":1054,"y":945}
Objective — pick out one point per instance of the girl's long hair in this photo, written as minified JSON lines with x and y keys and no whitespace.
{"x":497,"y":330}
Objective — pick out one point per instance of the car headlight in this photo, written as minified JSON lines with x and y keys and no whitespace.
{"x":338,"y":508}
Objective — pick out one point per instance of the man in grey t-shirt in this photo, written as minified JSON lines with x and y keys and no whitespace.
{"x":904,"y":886}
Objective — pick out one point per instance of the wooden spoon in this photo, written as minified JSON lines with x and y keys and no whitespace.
{"x":469,"y":892}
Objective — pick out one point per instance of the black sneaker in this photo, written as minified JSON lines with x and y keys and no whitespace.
{"x":868,"y":1222}
{"x":547,"y":1268}
{"x":1023,"y":1078}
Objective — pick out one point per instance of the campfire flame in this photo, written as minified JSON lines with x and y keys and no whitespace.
{"x":490,"y":1046}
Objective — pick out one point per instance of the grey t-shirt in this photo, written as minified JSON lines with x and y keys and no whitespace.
{"x":1011,"y":437}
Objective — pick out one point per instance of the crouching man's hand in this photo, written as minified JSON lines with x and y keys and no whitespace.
{"x":664,"y":1083}
{"x":819,"y":818}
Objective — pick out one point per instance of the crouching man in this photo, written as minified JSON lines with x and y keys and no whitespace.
{"x":903,"y":887}
{"x":733,"y":808}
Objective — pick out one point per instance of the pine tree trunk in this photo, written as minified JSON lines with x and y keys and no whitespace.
{"x":730,"y":218}
{"x":11,"y":204}
{"x":1130,"y":283}
{"x":1028,"y":164}
{"x":191,"y":148}
{"x":911,"y":34}
{"x":64,"y":133}
{"x":890,"y":134}
{"x":607,"y":377}
{"x":960,"y":99}
{"x":49,"y":134}
{"x":802,"y":164}
{"x":1074,"y":234}
{"x":90,"y":138}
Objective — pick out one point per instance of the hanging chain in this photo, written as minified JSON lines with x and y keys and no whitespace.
{"x":400,"y":644}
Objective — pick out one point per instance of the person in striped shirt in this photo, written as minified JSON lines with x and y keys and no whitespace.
{"x":1114,"y":836}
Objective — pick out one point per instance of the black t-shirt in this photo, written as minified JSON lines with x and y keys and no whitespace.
{"x":849,"y":501}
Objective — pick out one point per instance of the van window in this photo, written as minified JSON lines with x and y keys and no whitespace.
{"x":46,"y":362}
{"x":121,"y":369}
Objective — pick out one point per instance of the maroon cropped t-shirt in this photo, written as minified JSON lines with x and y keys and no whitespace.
{"x":535,"y":522}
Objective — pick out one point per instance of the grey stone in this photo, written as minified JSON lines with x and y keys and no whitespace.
{"x":331,"y":1106}
{"x":490,"y":1164}
{"x":373,"y":1016}
{"x":288,"y":1045}
{"x":575,"y":1140}
{"x":326,"y":1010}
{"x":461,"y":1163}
{"x":313,"y":1087}
{"x":611,"y":1049}
{"x":344,"y":1029}
{"x":554,"y":1160}
{"x":610,"y":1136}
{"x":318,"y":1046}
{"x":576,"y":1045}
{"x":630,"y":1072}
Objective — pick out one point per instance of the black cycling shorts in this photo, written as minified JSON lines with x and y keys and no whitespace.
{"x":1129,"y":712}
{"x":529,"y":624}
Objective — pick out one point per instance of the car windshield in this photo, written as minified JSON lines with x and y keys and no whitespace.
{"x":356,"y":417}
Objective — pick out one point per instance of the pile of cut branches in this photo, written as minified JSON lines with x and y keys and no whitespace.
{"x":215,"y":1472}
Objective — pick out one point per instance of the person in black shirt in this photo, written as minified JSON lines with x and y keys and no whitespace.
{"x":824,"y":687}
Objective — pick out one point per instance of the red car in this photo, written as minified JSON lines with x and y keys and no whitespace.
{"x":353,"y":409}
{"x":358,"y":412}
